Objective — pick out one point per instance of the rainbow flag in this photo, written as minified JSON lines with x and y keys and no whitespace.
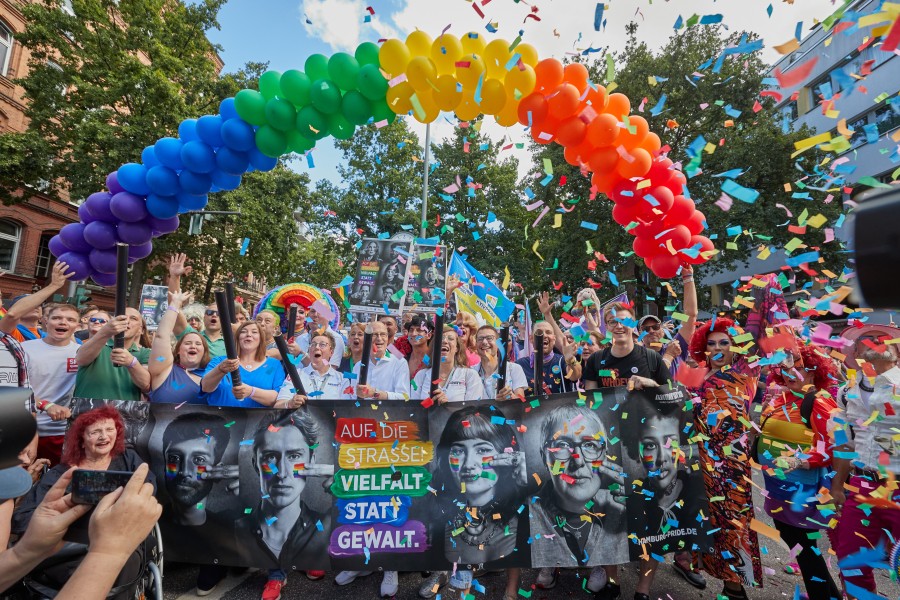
{"x":171,"y":470}
{"x":299,"y":468}
{"x":269,"y":469}
{"x":454,"y":463}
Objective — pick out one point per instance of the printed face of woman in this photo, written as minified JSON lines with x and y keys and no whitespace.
{"x":718,"y":348}
{"x":659,"y":451}
{"x":469,"y":462}
{"x":392,"y":272}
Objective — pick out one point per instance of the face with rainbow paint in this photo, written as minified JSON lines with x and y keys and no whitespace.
{"x":470,"y":464}
{"x":281,"y":457}
{"x":574,"y":452}
{"x":185,"y":461}
{"x":659,"y":451}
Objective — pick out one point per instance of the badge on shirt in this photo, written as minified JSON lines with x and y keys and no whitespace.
{"x":71,"y":365}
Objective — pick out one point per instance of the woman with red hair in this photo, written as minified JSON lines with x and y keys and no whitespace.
{"x":722,"y":416}
{"x":795,"y":463}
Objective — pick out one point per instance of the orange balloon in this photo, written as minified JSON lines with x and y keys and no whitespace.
{"x":572,"y":156}
{"x":563,"y":101}
{"x":597,"y":98}
{"x":641,"y":129}
{"x":603,"y":130}
{"x":532,"y":109}
{"x":549,"y":74}
{"x":639,"y":165}
{"x":571,"y":132}
{"x":651,"y":143}
{"x":576,"y":74}
{"x":545,"y":132}
{"x":618,"y":105}
{"x":605,"y":182}
{"x":603,"y":160}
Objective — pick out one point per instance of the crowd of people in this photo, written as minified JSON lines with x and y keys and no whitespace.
{"x":816,"y":415}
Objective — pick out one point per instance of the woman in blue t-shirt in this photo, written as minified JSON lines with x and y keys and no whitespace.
{"x":175,"y":375}
{"x":261,"y":376}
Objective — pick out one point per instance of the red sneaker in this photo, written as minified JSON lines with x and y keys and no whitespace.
{"x":273,"y":588}
{"x":315,"y":575}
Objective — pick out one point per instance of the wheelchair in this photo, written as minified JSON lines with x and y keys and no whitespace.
{"x":141,"y":577}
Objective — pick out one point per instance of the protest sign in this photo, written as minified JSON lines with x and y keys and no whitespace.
{"x":154,"y":300}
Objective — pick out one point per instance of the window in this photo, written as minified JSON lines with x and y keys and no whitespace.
{"x":44,"y":257}
{"x":790,"y":111}
{"x":859,"y":136}
{"x":62,"y":86}
{"x":887,"y":119}
{"x":66,"y":7}
{"x":6,"y":44}
{"x":9,"y":244}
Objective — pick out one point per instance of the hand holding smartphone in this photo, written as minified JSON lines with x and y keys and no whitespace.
{"x":89,"y":487}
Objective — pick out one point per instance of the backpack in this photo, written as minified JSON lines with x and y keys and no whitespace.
{"x":806,"y":409}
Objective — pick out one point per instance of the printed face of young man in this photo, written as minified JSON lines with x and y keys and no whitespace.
{"x":185,"y":461}
{"x":281,"y":457}
{"x":658,"y":451}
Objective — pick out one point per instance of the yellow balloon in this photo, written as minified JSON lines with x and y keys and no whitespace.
{"x":394,"y":56}
{"x":430,"y":110}
{"x":496,"y":55}
{"x":493,"y":96}
{"x":473,"y":43}
{"x":420,"y":71}
{"x":528,"y":53}
{"x":470,"y":70}
{"x":398,"y":97}
{"x":509,"y":116}
{"x":419,"y":43}
{"x":446,"y":95}
{"x":445,"y":51}
{"x":467,"y":109}
{"x":523,"y":81}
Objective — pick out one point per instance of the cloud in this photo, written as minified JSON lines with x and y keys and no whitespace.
{"x":339,"y":23}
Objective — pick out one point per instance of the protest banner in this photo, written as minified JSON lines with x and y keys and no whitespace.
{"x":562,"y":480}
{"x":154,"y":300}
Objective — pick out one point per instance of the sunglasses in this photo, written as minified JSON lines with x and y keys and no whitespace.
{"x":97,"y":320}
{"x":212,"y":313}
{"x":655,"y":327}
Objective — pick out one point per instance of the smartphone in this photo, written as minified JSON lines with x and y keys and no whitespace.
{"x":88,"y":487}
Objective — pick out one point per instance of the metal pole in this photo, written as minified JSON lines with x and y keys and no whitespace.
{"x":425,"y":180}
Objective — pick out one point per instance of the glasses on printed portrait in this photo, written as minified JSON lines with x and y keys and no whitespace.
{"x":589,"y":450}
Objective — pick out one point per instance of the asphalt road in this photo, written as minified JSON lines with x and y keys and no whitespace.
{"x":180,"y":580}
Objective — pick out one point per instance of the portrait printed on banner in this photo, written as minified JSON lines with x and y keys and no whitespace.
{"x":666,"y":501}
{"x":380,"y":274}
{"x":284,"y":460}
{"x":479,"y":472}
{"x":579,"y":510}
{"x":427,"y":277}
{"x":193,"y":452}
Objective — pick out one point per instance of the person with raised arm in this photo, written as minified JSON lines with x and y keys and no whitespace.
{"x":22,"y":318}
{"x":175,"y":374}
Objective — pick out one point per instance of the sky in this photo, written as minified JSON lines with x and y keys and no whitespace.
{"x":285,"y":32}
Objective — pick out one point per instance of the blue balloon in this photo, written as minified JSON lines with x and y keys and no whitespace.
{"x":226,"y":181}
{"x":198,"y":184}
{"x":57,"y":247}
{"x":78,"y":265}
{"x":187,"y":130}
{"x":128,"y":207}
{"x":134,"y":233}
{"x":133,"y":177}
{"x":231,"y":161}
{"x":168,"y":152}
{"x":162,"y":207}
{"x":162,"y":181}
{"x":190,"y":202}
{"x":100,"y":235}
{"x":238,"y":135}
{"x":198,"y":157}
{"x":209,"y":129}
{"x":148,"y":157}
{"x":227,"y":110}
{"x":262,"y":162}
{"x":103,"y":261}
{"x":84,"y":214}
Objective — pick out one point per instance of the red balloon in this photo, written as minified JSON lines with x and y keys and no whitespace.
{"x":660,"y":171}
{"x":695,"y":222}
{"x":536,"y":105}
{"x":623,"y":215}
{"x":624,"y":193}
{"x":681,"y":211}
{"x":662,"y":195}
{"x":676,"y":182}
{"x":680,"y":236}
{"x":649,"y":229}
{"x":571,"y":132}
{"x":645,"y":247}
{"x":664,"y":266}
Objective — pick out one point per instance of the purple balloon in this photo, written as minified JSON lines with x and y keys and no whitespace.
{"x":104,"y":279}
{"x":57,"y":247}
{"x":100,"y":235}
{"x":103,"y":261}
{"x":84,"y":214}
{"x":163,"y":225}
{"x":72,"y":237}
{"x":134,"y":233}
{"x":128,"y":207}
{"x":78,"y":265}
{"x":98,"y":205}
{"x":112,"y":183}
{"x":140,"y":251}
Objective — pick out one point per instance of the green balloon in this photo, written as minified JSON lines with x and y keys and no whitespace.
{"x":298,"y":143}
{"x":295,"y":87}
{"x":311,"y":123}
{"x":356,"y":108}
{"x":381,"y":111}
{"x":269,"y":85}
{"x":372,"y":83}
{"x":343,"y":70}
{"x":340,"y":127}
{"x":367,"y":54}
{"x":270,"y":141}
{"x":281,"y":115}
{"x":316,"y":67}
{"x":325,"y":96}
{"x":250,"y":106}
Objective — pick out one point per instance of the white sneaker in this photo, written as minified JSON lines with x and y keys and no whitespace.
{"x":348,"y":577}
{"x":597,"y":579}
{"x":389,"y":584}
{"x":546,"y":578}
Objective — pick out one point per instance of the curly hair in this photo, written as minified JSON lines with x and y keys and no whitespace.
{"x":698,"y":341}
{"x":73,"y":453}
{"x":822,"y":367}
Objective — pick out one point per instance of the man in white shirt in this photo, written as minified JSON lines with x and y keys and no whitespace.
{"x":320,"y":380}
{"x":388,"y":375}
{"x":53,"y":368}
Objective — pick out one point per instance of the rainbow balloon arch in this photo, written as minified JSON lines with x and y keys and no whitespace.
{"x":422,"y":77}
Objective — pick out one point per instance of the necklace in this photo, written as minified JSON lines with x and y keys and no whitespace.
{"x":472,"y":540}
{"x":563,"y":522}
